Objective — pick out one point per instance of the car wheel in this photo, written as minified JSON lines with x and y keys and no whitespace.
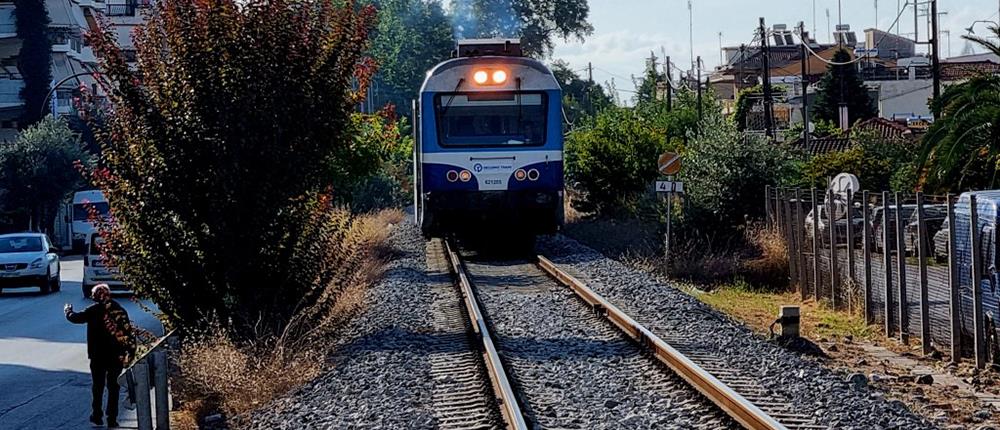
{"x":56,"y":284}
{"x":46,"y":286}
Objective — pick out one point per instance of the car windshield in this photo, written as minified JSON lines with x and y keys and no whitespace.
{"x":81,"y":210}
{"x":20,"y":244}
{"x":491,"y":119}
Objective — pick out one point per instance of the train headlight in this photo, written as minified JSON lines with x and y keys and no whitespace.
{"x":499,"y":76}
{"x":480,"y":77}
{"x":520,"y":174}
{"x":533,"y":174}
{"x":452,"y":176}
{"x":465,"y":176}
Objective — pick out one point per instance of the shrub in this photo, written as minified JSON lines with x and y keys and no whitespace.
{"x":614,"y":159}
{"x":391,"y":155}
{"x":236,"y":377}
{"x":217,"y":160}
{"x":875,"y":160}
{"x":37,"y":172}
{"x":725,"y":173}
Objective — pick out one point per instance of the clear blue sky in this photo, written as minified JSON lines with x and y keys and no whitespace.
{"x":625,"y":31}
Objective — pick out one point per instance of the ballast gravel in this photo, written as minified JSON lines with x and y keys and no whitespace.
{"x":385,"y":372}
{"x":571,"y":368}
{"x":813,"y":390}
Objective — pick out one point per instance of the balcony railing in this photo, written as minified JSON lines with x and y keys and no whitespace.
{"x":127,"y":9}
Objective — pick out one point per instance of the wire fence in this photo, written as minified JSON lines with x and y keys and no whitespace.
{"x":904,"y":261}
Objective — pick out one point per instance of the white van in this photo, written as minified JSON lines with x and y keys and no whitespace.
{"x":96,"y":270}
{"x":82,"y":227}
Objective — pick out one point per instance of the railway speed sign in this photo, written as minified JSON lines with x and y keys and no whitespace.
{"x":669,"y":163}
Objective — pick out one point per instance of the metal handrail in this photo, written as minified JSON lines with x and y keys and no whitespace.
{"x":738,"y":407}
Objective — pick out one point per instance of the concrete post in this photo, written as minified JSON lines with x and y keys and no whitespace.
{"x":922,"y":241}
{"x":954,"y":298}
{"x":143,"y":410}
{"x":904,"y":305}
{"x":160,"y":387}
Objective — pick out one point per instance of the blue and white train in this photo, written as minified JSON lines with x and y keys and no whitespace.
{"x":489,"y":152}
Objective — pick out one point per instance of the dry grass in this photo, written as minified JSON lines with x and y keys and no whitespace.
{"x":217,"y":374}
{"x":769,"y":264}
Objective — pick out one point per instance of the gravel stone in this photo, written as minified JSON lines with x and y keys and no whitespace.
{"x":393,"y":364}
{"x":669,"y":312}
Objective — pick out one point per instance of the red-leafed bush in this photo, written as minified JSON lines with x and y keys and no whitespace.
{"x":217,"y":155}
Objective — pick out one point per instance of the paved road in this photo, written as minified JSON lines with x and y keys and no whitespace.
{"x":44,"y":371}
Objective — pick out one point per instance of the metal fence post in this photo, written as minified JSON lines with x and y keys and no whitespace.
{"x":866,"y":238}
{"x":954,"y":298}
{"x":767,"y":205}
{"x":801,"y":239}
{"x":831,"y":225}
{"x":904,"y":316}
{"x":977,"y":288}
{"x":850,"y":252}
{"x":887,"y":262}
{"x":925,"y":324}
{"x":816,"y":240}
{"x":786,"y":208}
{"x":142,"y":402}
{"x":160,"y":390}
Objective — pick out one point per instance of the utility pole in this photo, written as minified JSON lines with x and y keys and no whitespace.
{"x":698,"y":64}
{"x":916,"y":22}
{"x":739,"y":74}
{"x":805,"y":86}
{"x":935,"y":54}
{"x":590,"y":87}
{"x":766,"y":70}
{"x":670,"y":87}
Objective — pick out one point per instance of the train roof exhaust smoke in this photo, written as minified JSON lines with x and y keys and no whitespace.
{"x":485,"y":19}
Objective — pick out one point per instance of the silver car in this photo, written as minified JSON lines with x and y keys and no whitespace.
{"x":28,"y":260}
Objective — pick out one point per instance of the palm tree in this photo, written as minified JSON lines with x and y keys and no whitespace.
{"x":962,"y":149}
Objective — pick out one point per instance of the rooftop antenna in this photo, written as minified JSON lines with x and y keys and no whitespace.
{"x":814,"y":19}
{"x":691,"y":32}
{"x":722,"y":55}
{"x":829,"y":34}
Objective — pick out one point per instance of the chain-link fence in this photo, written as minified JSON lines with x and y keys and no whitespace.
{"x":903,"y":261}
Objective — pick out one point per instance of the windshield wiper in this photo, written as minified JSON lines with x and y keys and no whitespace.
{"x":444,"y":109}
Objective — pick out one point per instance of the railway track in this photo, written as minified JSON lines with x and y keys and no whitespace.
{"x":537,"y":377}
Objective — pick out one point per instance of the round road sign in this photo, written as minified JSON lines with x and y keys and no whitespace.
{"x":669,"y":163}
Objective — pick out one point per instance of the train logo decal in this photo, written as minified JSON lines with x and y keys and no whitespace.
{"x":478,"y":167}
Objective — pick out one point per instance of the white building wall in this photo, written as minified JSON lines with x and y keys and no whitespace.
{"x":903,"y":98}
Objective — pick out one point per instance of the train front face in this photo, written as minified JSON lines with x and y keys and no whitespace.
{"x":491,"y":148}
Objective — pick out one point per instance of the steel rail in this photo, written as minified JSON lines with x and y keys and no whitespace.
{"x":738,"y":407}
{"x":509,"y":408}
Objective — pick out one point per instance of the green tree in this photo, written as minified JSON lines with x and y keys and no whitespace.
{"x":536,"y":22}
{"x":879,"y":163}
{"x":962,"y":148}
{"x":411,"y":37}
{"x":37,"y":172}
{"x":581,"y":98}
{"x":34,"y":60}
{"x":614,"y":159}
{"x":217,"y":159}
{"x":723,"y":166}
{"x":841,"y":84}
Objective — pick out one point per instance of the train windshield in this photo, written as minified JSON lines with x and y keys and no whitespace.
{"x":491,"y":119}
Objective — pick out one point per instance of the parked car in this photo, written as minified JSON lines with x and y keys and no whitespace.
{"x":840,"y":225}
{"x":934,"y":216}
{"x":28,"y":260}
{"x":988,"y":226}
{"x":941,"y":242}
{"x":82,"y":225}
{"x":95,"y":268}
{"x":877,"y":225}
